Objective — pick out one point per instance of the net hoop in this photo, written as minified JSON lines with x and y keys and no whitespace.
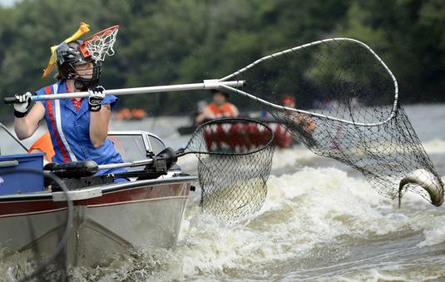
{"x":302,"y":47}
{"x":207,"y":124}
{"x":100,"y":44}
{"x":234,"y":163}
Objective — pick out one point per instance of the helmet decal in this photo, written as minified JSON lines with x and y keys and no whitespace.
{"x":84,"y":28}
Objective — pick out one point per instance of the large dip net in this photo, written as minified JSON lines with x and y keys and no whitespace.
{"x":352,"y":112}
{"x":234,"y":163}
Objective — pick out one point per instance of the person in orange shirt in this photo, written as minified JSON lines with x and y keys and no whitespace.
{"x":305,"y":123}
{"x":219,"y":108}
{"x":44,"y":145}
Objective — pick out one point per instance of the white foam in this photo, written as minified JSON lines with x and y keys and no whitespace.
{"x":435,"y":234}
{"x":188,"y":163}
{"x":435,"y":146}
{"x":328,"y":197}
{"x":291,"y":157}
{"x":302,"y":209}
{"x":376,"y":275}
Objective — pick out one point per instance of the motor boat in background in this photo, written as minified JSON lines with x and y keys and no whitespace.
{"x":282,"y":137}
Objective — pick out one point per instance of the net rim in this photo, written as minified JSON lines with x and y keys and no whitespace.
{"x":102,"y":33}
{"x":85,"y":47}
{"x":324,"y":41}
{"x":230,"y":120}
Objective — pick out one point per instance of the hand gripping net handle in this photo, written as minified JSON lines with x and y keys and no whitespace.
{"x":234,"y":163}
{"x":99,"y":45}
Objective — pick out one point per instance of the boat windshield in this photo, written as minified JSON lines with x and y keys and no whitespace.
{"x":156,"y":145}
{"x":131,"y":147}
{"x":9,"y":144}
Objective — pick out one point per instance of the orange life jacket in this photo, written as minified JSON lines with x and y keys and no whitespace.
{"x":44,"y":144}
{"x":226,"y":110}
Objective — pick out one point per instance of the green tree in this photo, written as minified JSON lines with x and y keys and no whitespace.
{"x":409,"y":35}
{"x":173,"y":41}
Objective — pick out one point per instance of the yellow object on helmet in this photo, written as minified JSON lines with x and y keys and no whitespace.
{"x":84,"y":28}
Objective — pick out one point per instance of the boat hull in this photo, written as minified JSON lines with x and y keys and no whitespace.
{"x":282,"y":137}
{"x":145,"y":214}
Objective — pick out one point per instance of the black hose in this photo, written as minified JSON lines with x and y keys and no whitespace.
{"x":69,"y":221}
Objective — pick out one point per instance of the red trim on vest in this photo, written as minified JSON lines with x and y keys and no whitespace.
{"x":76,"y":103}
{"x":53,"y":123}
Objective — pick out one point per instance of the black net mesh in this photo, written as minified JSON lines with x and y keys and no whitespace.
{"x":234,"y":163}
{"x":352,"y":112}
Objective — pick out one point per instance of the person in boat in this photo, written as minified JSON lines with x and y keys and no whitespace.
{"x":303,"y":125}
{"x":78,"y":127}
{"x":219,"y":108}
{"x":303,"y":122}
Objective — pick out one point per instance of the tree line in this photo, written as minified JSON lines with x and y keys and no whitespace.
{"x":163,"y":42}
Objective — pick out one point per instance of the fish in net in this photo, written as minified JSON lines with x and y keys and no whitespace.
{"x":353,"y":113}
{"x":234,"y":163}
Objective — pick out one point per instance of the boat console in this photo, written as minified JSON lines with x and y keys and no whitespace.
{"x":145,"y":157}
{"x":136,"y":145}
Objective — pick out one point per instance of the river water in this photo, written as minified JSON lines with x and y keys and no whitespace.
{"x":321,"y":222}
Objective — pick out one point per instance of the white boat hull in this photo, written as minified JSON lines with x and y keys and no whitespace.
{"x":146,"y":213}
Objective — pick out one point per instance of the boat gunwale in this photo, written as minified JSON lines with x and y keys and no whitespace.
{"x":107,"y":189}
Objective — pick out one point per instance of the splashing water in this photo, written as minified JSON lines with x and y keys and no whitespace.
{"x":320,"y":222}
{"x":315,"y":224}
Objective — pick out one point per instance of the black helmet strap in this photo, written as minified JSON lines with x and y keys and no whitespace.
{"x":84,"y":84}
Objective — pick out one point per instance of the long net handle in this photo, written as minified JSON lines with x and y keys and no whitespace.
{"x":207,"y":84}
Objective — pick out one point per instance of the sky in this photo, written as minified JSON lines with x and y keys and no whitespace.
{"x":7,"y":2}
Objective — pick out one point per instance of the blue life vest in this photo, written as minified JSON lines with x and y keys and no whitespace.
{"x":70,"y":130}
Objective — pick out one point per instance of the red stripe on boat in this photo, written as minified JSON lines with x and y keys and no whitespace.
{"x":127,"y":196}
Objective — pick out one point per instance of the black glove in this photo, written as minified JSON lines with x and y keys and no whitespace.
{"x":95,"y":98}
{"x":21,"y":108}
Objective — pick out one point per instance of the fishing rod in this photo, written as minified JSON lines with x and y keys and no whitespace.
{"x":89,"y":168}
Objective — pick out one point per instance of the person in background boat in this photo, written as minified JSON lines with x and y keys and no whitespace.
{"x":43,"y":145}
{"x":303,"y":122}
{"x":78,"y":127}
{"x":127,"y":114}
{"x":219,"y":108}
{"x":303,"y":125}
{"x":201,"y":106}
